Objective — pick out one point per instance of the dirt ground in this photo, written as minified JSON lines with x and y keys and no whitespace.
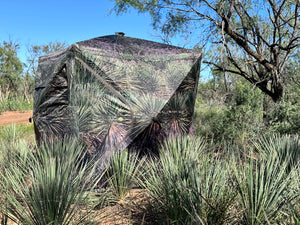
{"x":11,"y":117}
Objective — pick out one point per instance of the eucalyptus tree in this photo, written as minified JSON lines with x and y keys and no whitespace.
{"x":255,"y":38}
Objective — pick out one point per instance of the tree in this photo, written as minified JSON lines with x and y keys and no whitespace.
{"x":35,"y":51}
{"x":293,"y":69}
{"x":255,"y":37}
{"x":11,"y":68}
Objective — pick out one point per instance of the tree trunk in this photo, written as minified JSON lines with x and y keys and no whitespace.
{"x":277,"y":86}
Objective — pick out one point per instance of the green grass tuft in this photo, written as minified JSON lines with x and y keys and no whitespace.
{"x":50,"y":186}
{"x":123,"y":173}
{"x":15,"y":104}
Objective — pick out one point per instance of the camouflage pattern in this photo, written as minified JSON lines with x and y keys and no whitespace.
{"x":116,"y":92}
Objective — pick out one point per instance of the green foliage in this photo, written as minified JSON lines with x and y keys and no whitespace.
{"x":264,"y":189}
{"x":15,"y":104}
{"x":123,"y":172}
{"x":244,"y":34}
{"x":15,"y":142}
{"x":13,"y":150}
{"x":188,"y":186}
{"x":15,"y":132}
{"x":286,"y":148}
{"x":50,"y":186}
{"x":15,"y":87}
{"x":13,"y":147}
{"x":168,"y":181}
{"x":191,"y":182}
{"x":285,"y":117}
{"x":209,"y":120}
{"x":10,"y":69}
{"x":235,"y":116}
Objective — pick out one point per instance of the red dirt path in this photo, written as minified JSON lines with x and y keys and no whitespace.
{"x":11,"y":117}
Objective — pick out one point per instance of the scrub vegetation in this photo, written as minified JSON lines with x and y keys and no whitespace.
{"x":240,"y":166}
{"x":194,"y":181}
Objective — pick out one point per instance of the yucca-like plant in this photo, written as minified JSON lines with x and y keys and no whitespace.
{"x":52,"y":188}
{"x":218,"y":190}
{"x":265,"y":190}
{"x":292,"y":209}
{"x":172,"y":182}
{"x":13,"y":150}
{"x":11,"y":145}
{"x":123,"y":172}
{"x":286,"y":147}
{"x":175,"y":74}
{"x":146,"y":107}
{"x":147,"y":79}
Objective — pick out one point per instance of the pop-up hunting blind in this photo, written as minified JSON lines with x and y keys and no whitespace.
{"x":114,"y":92}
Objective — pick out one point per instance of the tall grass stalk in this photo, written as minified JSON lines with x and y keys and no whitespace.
{"x":52,"y":188}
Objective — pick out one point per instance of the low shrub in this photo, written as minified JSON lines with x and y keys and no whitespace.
{"x":50,"y":187}
{"x":123,"y":172}
{"x":15,"y":104}
{"x":187,"y":185}
{"x":265,"y":190}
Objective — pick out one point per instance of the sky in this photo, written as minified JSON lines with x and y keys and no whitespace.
{"x":37,"y":22}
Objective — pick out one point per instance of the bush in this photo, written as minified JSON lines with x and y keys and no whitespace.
{"x":123,"y":172}
{"x":50,"y":187}
{"x":264,"y":190}
{"x":284,"y":118}
{"x":15,"y":104}
{"x":188,"y":186}
{"x":238,"y":119}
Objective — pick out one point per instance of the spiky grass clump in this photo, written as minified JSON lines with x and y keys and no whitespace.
{"x":13,"y":150}
{"x":265,"y":190}
{"x":12,"y":147}
{"x":15,"y":104}
{"x":286,"y":147}
{"x":51,"y":187}
{"x":188,"y":186}
{"x":123,"y":173}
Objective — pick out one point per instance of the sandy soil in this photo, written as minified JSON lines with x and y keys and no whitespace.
{"x":10,"y":117}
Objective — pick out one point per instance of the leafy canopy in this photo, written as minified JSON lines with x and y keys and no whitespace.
{"x":253,"y":38}
{"x":10,"y":67}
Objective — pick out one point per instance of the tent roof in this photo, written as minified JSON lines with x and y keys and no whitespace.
{"x":134,"y":45}
{"x":112,"y":46}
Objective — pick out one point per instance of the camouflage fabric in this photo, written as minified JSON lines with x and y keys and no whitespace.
{"x":114,"y":92}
